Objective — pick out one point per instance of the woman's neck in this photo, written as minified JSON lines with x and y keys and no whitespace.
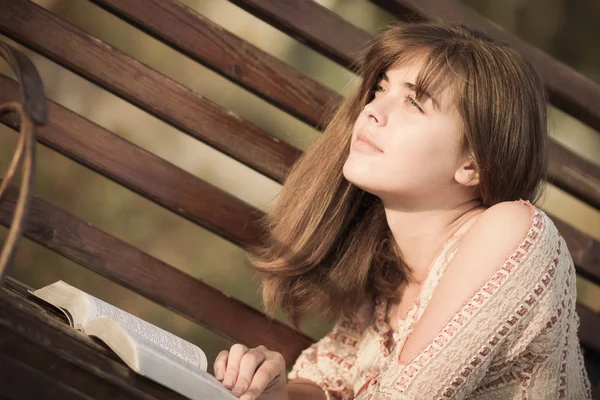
{"x":421,"y":232}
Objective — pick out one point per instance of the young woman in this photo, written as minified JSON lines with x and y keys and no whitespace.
{"x":409,"y":222}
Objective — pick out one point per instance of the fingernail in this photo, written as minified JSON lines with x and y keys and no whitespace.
{"x":238,"y":390}
{"x":228,"y":382}
{"x":247,"y":397}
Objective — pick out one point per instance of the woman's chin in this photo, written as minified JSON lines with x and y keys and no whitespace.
{"x":360,"y":179}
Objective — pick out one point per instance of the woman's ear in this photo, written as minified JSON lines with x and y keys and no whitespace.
{"x":467,"y":174}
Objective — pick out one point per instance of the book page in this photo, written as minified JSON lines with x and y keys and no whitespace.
{"x":166,"y":369}
{"x":74,"y":303}
{"x":174,"y":345}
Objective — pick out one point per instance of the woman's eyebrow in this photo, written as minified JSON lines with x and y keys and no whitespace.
{"x":413,"y":87}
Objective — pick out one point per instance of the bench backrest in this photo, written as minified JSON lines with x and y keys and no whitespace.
{"x":274,"y":81}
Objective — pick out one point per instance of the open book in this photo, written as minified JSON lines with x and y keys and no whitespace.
{"x":145,"y":348}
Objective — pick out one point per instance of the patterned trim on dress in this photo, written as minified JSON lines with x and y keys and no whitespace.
{"x":335,"y":389}
{"x":346,"y":332}
{"x":383,"y":328}
{"x":472,"y":305}
{"x":586,"y":383}
{"x":524,"y":367}
{"x":562,"y":377}
{"x":527,"y":372}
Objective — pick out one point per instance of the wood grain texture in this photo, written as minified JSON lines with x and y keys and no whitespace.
{"x":43,"y":358}
{"x":584,"y":249}
{"x":313,"y":25}
{"x":100,"y":63}
{"x":206,"y":42}
{"x":574,"y":174}
{"x":126,"y":265}
{"x":143,"y":172}
{"x":160,"y":96}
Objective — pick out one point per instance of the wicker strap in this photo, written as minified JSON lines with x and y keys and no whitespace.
{"x":32,"y":111}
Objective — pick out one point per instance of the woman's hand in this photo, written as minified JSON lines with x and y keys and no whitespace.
{"x":250,"y":373}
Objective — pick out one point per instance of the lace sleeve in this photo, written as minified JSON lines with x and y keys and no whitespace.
{"x":328,"y":362}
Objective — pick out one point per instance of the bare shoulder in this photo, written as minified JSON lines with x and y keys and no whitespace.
{"x":501,"y":226}
{"x":494,"y":236}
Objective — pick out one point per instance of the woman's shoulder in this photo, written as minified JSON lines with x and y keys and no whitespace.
{"x":505,"y":222}
{"x":506,"y":225}
{"x":514,"y":231}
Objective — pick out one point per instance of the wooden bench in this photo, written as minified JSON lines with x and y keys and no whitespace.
{"x":39,"y":356}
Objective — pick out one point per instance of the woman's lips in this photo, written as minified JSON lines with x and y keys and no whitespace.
{"x":364,"y":143}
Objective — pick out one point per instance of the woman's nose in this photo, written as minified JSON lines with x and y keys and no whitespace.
{"x":375,"y":115}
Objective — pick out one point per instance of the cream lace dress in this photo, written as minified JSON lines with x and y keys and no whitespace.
{"x":515,"y":338}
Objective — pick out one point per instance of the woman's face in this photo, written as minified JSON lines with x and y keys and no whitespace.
{"x":417,"y":142}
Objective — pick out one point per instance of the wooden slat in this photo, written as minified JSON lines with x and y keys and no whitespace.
{"x":584,"y":249}
{"x":204,"y":41}
{"x":69,"y":46}
{"x":574,"y":174}
{"x":42,"y":358}
{"x":143,"y":172}
{"x":124,"y":264}
{"x":17,"y":376}
{"x":313,"y":25}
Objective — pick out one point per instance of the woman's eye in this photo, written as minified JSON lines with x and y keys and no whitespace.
{"x":379,"y":88}
{"x":413,"y":103}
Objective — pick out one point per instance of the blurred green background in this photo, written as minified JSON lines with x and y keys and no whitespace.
{"x":566,"y":29}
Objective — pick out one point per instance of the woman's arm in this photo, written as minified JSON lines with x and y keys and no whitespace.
{"x":304,"y":389}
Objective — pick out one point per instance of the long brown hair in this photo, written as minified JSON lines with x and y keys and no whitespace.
{"x":329,"y":247}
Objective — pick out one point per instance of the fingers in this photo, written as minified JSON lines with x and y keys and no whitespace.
{"x":250,"y":362}
{"x":233,"y":364}
{"x":248,"y":373}
{"x":270,"y":370}
{"x":220,"y":364}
